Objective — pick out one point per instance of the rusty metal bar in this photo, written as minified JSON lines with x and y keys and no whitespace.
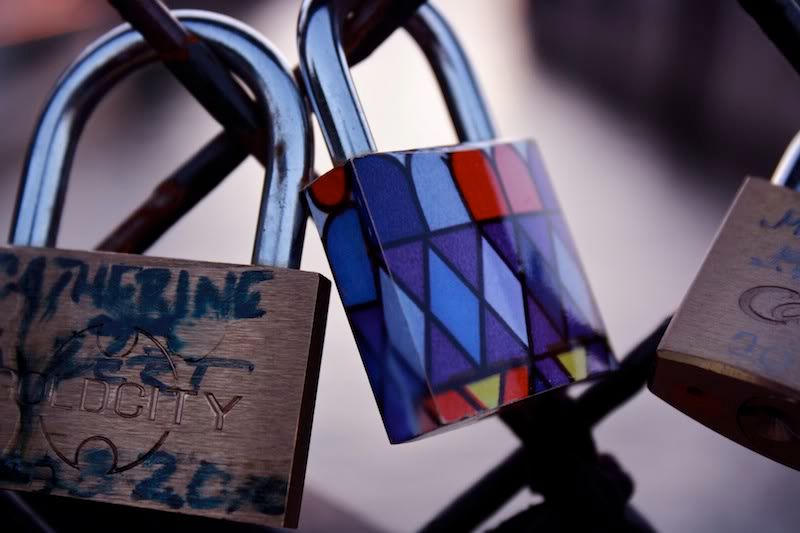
{"x":372,"y":23}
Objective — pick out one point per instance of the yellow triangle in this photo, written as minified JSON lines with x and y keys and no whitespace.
{"x":487,"y":390}
{"x":575,"y":362}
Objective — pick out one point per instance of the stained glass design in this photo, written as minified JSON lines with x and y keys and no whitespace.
{"x":460,"y":281}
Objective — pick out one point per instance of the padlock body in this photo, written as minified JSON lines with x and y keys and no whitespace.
{"x":731,"y":355}
{"x":460,"y":281}
{"x":159,"y":383}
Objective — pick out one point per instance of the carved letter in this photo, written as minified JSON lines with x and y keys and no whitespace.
{"x":138,"y":410}
{"x":153,"y":403}
{"x":53,"y":393}
{"x":220,"y":411}
{"x":102,"y":406}
{"x":180,"y":401}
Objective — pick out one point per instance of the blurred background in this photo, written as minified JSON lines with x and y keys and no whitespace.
{"x":649,"y":113}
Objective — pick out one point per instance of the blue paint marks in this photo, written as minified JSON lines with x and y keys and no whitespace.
{"x":267,"y":494}
{"x":208,"y":296}
{"x":203,"y":364}
{"x":53,"y":295}
{"x":202,"y":477}
{"x":789,"y":219}
{"x":94,"y":478}
{"x":153,"y":282}
{"x":11,"y":264}
{"x":246,"y":302}
{"x":119,"y":294}
{"x":153,"y":487}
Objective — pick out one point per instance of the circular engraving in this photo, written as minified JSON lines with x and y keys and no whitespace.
{"x":94,"y":383}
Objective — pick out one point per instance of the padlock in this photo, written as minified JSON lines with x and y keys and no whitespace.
{"x":175,"y":385}
{"x":730,"y":358}
{"x":457,"y":272}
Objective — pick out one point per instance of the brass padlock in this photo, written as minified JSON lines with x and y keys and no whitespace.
{"x":731,"y":356}
{"x":159,"y":383}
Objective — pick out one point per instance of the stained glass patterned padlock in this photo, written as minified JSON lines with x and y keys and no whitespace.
{"x":173,"y":385}
{"x":731,"y":356}
{"x":459,"y":277}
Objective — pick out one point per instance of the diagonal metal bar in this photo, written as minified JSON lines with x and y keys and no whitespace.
{"x":176,"y":196}
{"x":780,"y":21}
{"x":489,"y":493}
{"x":199,"y":70}
{"x":371,"y":24}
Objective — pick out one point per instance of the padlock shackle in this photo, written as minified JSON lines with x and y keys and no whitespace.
{"x":281,"y":223}
{"x":787,"y":173}
{"x":332,"y":94}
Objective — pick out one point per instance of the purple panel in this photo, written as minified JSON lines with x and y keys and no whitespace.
{"x":391,"y":202}
{"x":501,"y":235}
{"x":552,"y":372}
{"x":460,"y":248}
{"x":369,"y":324}
{"x":599,"y":358}
{"x":544,"y":334}
{"x":405,"y":264}
{"x":368,"y":328}
{"x":537,"y":229}
{"x":446,"y":359}
{"x":577,"y":325}
{"x":540,"y":177}
{"x":539,"y":385}
{"x":543,"y":282}
{"x":501,"y":346}
{"x":559,"y":228}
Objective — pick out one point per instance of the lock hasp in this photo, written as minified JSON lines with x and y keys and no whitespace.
{"x":731,"y":356}
{"x":158,"y":383}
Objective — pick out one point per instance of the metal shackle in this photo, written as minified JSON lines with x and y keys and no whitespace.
{"x":787,"y":173}
{"x":281,"y":222}
{"x":332,"y":94}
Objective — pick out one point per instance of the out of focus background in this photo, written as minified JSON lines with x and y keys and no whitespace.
{"x":649,"y":113}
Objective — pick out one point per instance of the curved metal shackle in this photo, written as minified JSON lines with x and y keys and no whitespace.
{"x":281,"y":223}
{"x":332,"y":94}
{"x":787,"y":173}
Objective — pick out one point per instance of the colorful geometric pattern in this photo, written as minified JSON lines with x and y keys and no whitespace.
{"x":460,"y":281}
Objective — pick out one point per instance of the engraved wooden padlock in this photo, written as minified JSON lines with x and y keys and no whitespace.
{"x":731,"y":356}
{"x":456,"y":269}
{"x":159,"y":383}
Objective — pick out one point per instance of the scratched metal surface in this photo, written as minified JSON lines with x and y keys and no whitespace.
{"x":642,"y":217}
{"x":746,"y":287}
{"x":158,"y":383}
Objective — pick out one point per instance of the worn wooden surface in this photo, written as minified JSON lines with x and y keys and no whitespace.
{"x":159,"y":383}
{"x":731,"y":356}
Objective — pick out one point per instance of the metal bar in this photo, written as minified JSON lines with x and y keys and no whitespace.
{"x":24,"y":513}
{"x":176,"y":196}
{"x":371,"y":24}
{"x":479,"y":502}
{"x":780,"y":21}
{"x":200,"y":71}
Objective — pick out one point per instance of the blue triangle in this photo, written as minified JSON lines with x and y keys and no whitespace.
{"x":460,"y":248}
